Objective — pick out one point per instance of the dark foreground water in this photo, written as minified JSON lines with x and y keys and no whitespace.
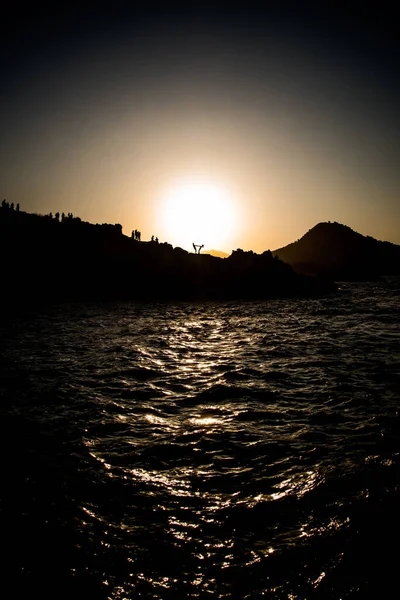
{"x":203,"y":450}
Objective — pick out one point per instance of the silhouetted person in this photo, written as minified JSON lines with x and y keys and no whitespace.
{"x":156,"y":240}
{"x":17,"y":207}
{"x":152,"y":238}
{"x":138,"y":236}
{"x":12,"y":206}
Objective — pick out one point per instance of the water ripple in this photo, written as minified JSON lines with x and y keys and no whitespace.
{"x":217,"y":450}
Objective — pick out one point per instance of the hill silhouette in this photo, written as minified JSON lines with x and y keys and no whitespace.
{"x":61,"y":259}
{"x":337,"y":251}
{"x":218,"y":253}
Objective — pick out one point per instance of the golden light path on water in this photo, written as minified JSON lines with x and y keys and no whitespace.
{"x":215,"y":449}
{"x":195,"y":355}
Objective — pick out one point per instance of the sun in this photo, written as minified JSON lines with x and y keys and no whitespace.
{"x":199,"y":212}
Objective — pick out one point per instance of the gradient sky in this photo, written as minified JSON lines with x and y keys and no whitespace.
{"x":293,"y":112}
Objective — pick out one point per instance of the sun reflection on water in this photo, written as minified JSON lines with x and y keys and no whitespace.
{"x":194,"y":431}
{"x":298,"y":484}
{"x":204,"y":421}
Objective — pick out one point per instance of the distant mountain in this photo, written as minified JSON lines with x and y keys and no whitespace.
{"x":337,"y":251}
{"x":218,"y":253}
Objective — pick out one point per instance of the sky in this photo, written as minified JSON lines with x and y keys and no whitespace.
{"x":233,"y":125}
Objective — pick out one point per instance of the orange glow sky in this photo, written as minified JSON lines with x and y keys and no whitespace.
{"x":293,"y":114}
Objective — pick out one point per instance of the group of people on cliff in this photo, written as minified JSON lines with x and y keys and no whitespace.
{"x":9,"y":206}
{"x":136,"y":235}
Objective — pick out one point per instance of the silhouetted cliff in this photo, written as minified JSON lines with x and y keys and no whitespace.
{"x":336,"y":251}
{"x":45,"y":257}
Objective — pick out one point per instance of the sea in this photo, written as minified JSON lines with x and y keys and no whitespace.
{"x":222,"y":450}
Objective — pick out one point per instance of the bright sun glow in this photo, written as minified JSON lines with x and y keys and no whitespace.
{"x":199,"y":212}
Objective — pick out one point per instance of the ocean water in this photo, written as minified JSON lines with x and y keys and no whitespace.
{"x":213,"y":450}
